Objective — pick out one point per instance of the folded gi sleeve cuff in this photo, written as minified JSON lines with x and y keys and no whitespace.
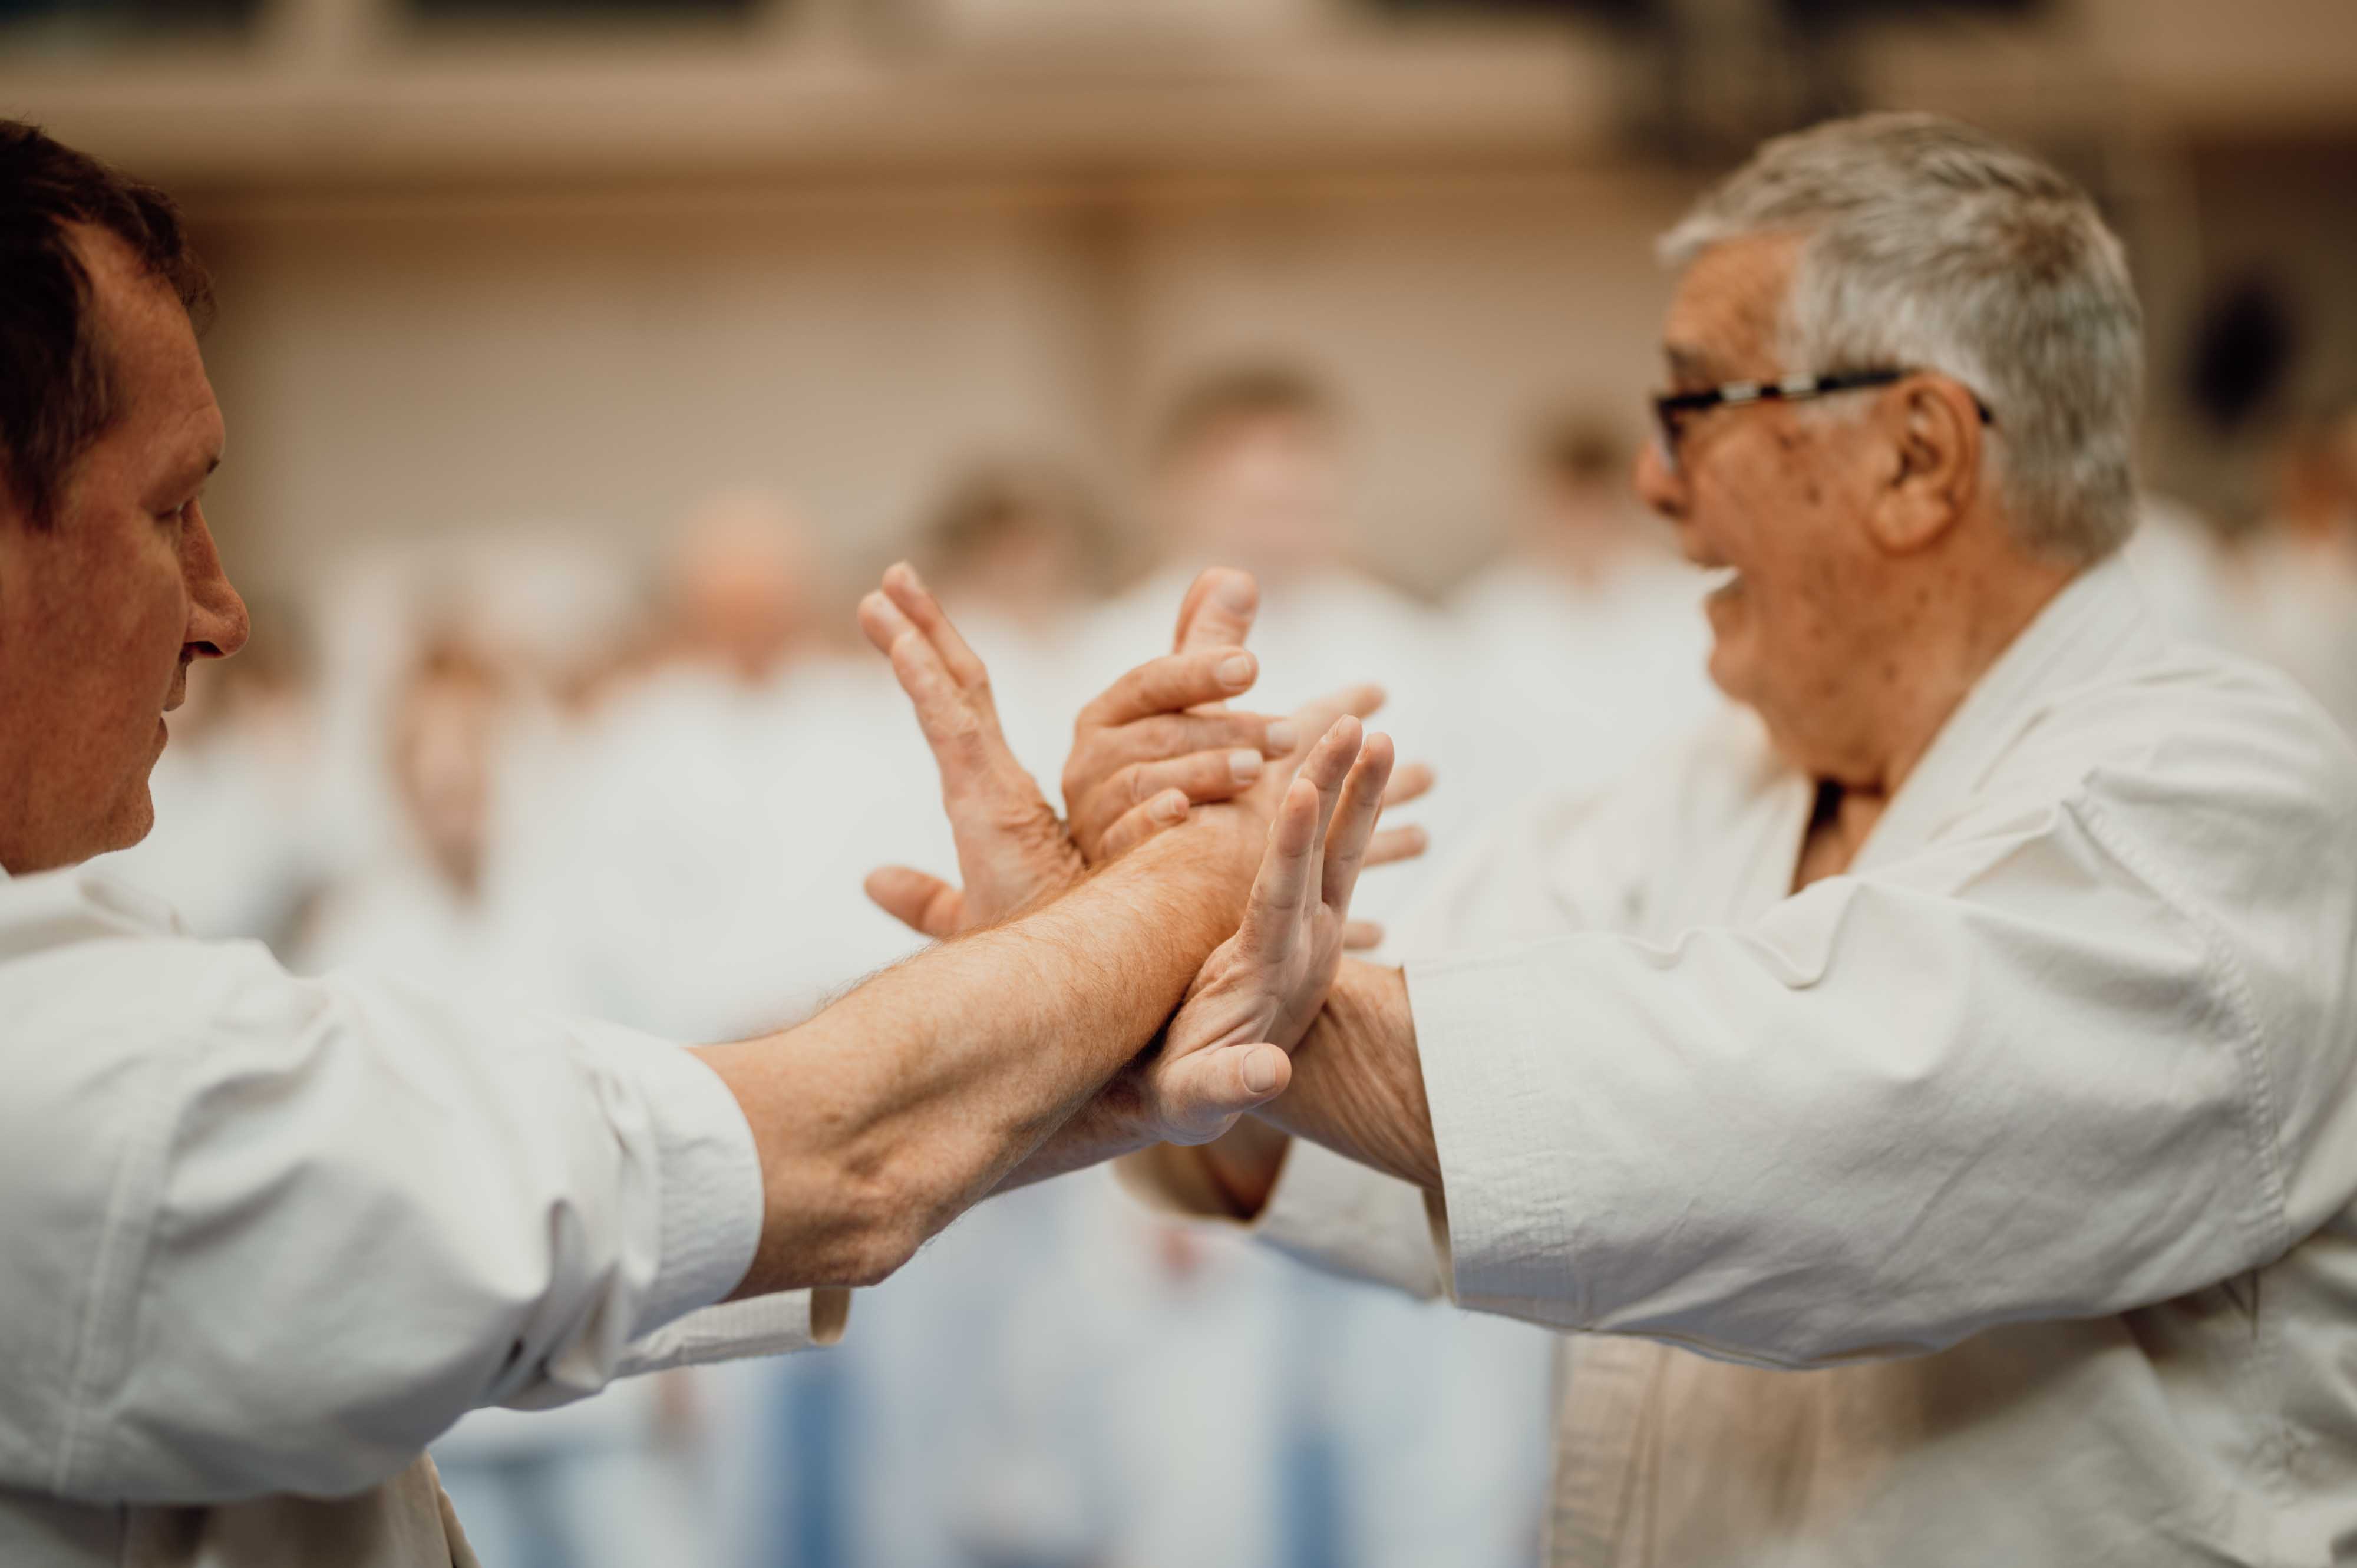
{"x":1487,"y":1077}
{"x":709,"y":1174}
{"x":1324,"y":1210}
{"x":758,"y":1325}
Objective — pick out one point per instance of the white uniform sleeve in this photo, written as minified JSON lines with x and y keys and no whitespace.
{"x":2024,"y":1076}
{"x":1325,"y":1211}
{"x":274,"y":1235}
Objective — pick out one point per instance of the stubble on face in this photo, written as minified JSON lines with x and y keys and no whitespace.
{"x":94,"y":609}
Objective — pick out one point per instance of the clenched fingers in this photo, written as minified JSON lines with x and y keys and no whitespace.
{"x":1174,"y":735}
{"x":1137,"y":824}
{"x":1172,"y":684}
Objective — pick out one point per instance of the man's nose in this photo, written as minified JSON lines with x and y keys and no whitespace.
{"x":217,"y":625}
{"x":1656,"y":483}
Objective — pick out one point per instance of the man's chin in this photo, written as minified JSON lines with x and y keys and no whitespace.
{"x":1729,"y":671}
{"x":132,"y":821}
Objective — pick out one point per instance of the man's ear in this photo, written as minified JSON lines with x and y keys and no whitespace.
{"x":1934,"y":433}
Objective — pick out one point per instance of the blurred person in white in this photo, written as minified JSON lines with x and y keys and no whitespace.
{"x":1926,"y":1099}
{"x":2292,"y":580}
{"x":243,"y":848}
{"x":1249,"y":467}
{"x":937,"y":1468}
{"x":1020,"y":550}
{"x":584,"y":1485}
{"x":1586,"y":640}
{"x":689,"y":896}
{"x":270,"y":1235}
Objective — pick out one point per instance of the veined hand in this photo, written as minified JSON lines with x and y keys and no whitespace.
{"x":1159,"y":741}
{"x":1228,"y":1049}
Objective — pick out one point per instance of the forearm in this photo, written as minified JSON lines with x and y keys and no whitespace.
{"x":1105,"y":1129}
{"x":887,"y":1114}
{"x":1358,"y":1084}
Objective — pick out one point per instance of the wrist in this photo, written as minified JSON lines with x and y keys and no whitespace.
{"x":1203,"y":871}
{"x":1245,"y":1164}
{"x":1357,"y":1081}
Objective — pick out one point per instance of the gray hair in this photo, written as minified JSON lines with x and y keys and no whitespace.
{"x":1927,"y":245}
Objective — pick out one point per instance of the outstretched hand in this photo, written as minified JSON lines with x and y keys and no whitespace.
{"x":1227,"y":1051}
{"x":1159,"y":741}
{"x":1011,"y":846}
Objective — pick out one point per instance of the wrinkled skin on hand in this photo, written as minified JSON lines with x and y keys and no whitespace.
{"x":1259,"y":991}
{"x":1157,"y":744}
{"x":1289,"y":810}
{"x":1151,"y":759}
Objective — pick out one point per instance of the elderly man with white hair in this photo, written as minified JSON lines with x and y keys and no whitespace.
{"x":1926,"y":1099}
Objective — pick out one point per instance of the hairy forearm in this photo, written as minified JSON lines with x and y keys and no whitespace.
{"x":1358,"y":1083}
{"x":883,"y":1117}
{"x":1105,"y":1129}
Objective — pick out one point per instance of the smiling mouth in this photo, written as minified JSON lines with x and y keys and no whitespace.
{"x":1720,"y":581}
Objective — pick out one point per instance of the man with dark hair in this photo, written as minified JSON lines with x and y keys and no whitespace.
{"x":62,"y":391}
{"x":267,"y":1236}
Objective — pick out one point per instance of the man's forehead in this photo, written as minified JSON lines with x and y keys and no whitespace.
{"x":146,"y":334}
{"x":1722,"y":319}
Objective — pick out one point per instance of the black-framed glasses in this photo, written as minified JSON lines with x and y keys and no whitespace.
{"x":1671,"y":410}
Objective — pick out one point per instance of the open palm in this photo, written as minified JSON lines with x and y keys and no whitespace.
{"x":1257,"y":994}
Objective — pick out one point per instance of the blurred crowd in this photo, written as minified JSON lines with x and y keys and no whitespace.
{"x":650,"y":792}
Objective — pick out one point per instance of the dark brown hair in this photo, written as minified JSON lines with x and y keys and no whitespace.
{"x":1237,"y":395}
{"x":58,"y":390}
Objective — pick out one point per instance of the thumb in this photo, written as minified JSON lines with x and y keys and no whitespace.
{"x":923,"y":903}
{"x":1203,"y":1092}
{"x":1218,"y":610}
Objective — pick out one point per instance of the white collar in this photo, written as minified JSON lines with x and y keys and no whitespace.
{"x":2086,"y":629}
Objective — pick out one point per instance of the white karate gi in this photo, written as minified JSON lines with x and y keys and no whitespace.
{"x":703,"y":881}
{"x":268,"y":1236}
{"x":1563,"y":686}
{"x":1990,"y":1203}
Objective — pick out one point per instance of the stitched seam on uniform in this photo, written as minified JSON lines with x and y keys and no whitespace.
{"x":121,"y":1258}
{"x":2227,"y":969}
{"x":2261,"y":1365}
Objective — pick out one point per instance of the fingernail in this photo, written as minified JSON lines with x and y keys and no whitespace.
{"x":1243,"y":766}
{"x":1259,"y":1070}
{"x":1169,"y":808}
{"x":1235,"y":594}
{"x":1278,"y":739}
{"x":1237,"y":671}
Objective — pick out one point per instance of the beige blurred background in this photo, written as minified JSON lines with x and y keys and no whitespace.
{"x":557,"y":337}
{"x":486,"y":265}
